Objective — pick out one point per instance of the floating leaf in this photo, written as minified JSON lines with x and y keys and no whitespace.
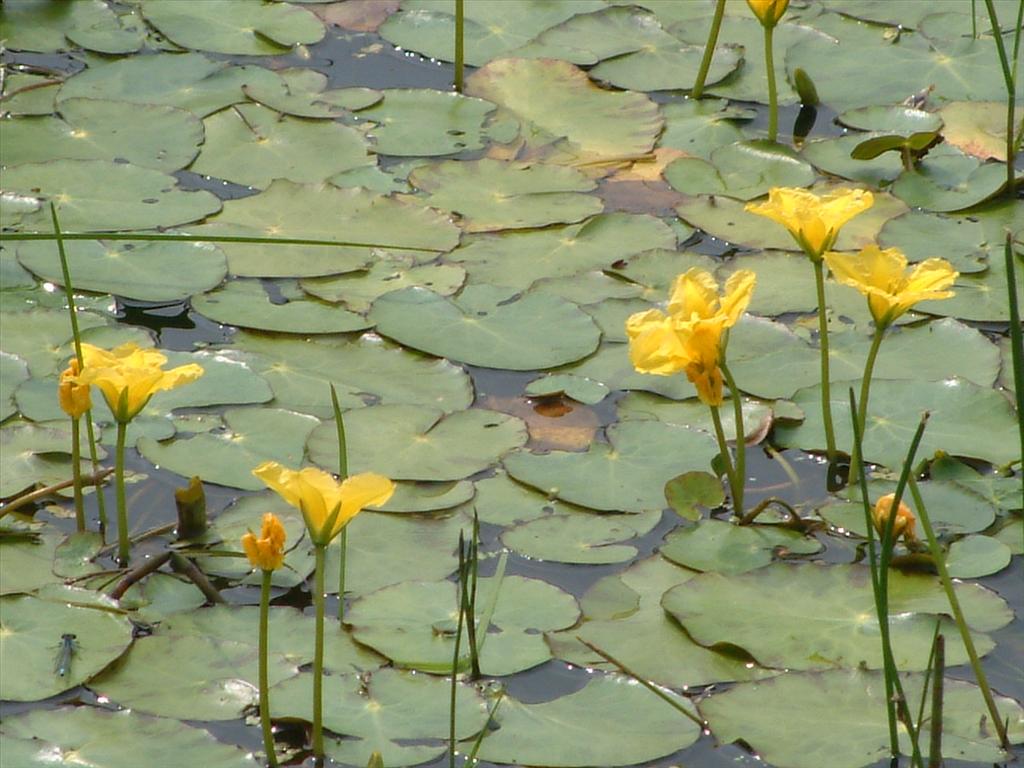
{"x":159,"y":137}
{"x":561,"y":101}
{"x":407,"y":442}
{"x":488,"y":326}
{"x":13,"y":371}
{"x":727,"y":548}
{"x":585,"y":728}
{"x":700,"y":127}
{"x":579,"y":388}
{"x":974,"y":556}
{"x":286,"y":209}
{"x":834,"y":156}
{"x":691,"y":490}
{"x":743,"y":170}
{"x":579,"y":537}
{"x":978,"y":129}
{"x":921,"y":236}
{"x":422,"y":122}
{"x":667,"y":66}
{"x":246,"y":304}
{"x":834,"y":608}
{"x":234,"y":26}
{"x":145,"y":271}
{"x":409,"y":623}
{"x":491,"y":194}
{"x":364,"y":371}
{"x":897,"y":118}
{"x":33,"y":631}
{"x":627,"y":474}
{"x":301,"y":92}
{"x":849,"y":708}
{"x":96,"y":196}
{"x":949,"y":182}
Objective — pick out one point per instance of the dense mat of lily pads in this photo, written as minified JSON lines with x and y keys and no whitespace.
{"x":511,"y":228}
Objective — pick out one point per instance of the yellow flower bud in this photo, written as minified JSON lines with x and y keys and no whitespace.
{"x":266,"y":552}
{"x":904,"y":523}
{"x":73,"y":395}
{"x":768,"y":11}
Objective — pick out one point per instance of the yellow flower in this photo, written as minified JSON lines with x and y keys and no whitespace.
{"x":882,"y":276}
{"x":695,"y":296}
{"x":266,"y":552}
{"x":813,"y":221}
{"x":128,"y":376}
{"x":689,"y":338}
{"x":904,"y":523}
{"x":72,"y":394}
{"x":318,"y":495}
{"x":768,"y":11}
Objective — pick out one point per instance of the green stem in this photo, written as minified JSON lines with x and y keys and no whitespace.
{"x":935,"y":744}
{"x":735,"y":488}
{"x":94,"y":460}
{"x":826,"y":394}
{"x":318,"y":654}
{"x":974,"y":20}
{"x":1008,"y":79}
{"x":76,"y":470}
{"x":268,"y":733}
{"x":773,"y":96}
{"x":709,"y":50}
{"x":339,"y":425}
{"x":1016,"y":341}
{"x":342,"y":563}
{"x":170,"y":238}
{"x":459,"y":46}
{"x":458,"y":642}
{"x":122,"y":501}
{"x":865,"y":391}
{"x":958,"y":615}
{"x":741,"y":432}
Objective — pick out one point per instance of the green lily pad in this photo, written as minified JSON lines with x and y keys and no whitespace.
{"x":488,"y":326}
{"x":160,"y":596}
{"x":622,"y":615}
{"x":30,"y":738}
{"x":28,"y":565}
{"x":36,"y":25}
{"x":37,"y":100}
{"x":250,"y":144}
{"x":559,"y":100}
{"x":251,"y":436}
{"x":388,"y":705}
{"x":584,"y":728}
{"x":422,"y":122}
{"x":667,"y":65}
{"x":389,"y":272}
{"x":1012,"y":535}
{"x":34,"y":454}
{"x":626,"y":474}
{"x":303,"y":93}
{"x":39,"y":336}
{"x":610,"y":366}
{"x":160,"y":137}
{"x":286,"y":209}
{"x":657,"y":269}
{"x":833,"y":156}
{"x":896,"y":118}
{"x":361,"y":751}
{"x":408,"y":442}
{"x":727,"y":548}
{"x":921,"y":236}
{"x":234,"y":26}
{"x":384,"y":550}
{"x":491,"y":29}
{"x":1002,"y":492}
{"x":693,"y":413}
{"x":700,"y":127}
{"x":425,"y":496}
{"x":848,"y":708}
{"x":726,"y":219}
{"x":981,"y":296}
{"x":949,"y":182}
{"x":579,"y":537}
{"x":145,"y":271}
{"x":579,"y":388}
{"x":491,"y":194}
{"x":118,"y":32}
{"x":834,"y":608}
{"x":966,"y":420}
{"x":402,"y":622}
{"x":13,"y":371}
{"x":364,"y":371}
{"x":978,"y":129}
{"x":690,"y":491}
{"x":974,"y":556}
{"x":518,"y":259}
{"x":743,"y":170}
{"x":185,"y":80}
{"x":246,"y":304}
{"x":96,"y":195}
{"x":32,"y":640}
{"x":500,"y":500}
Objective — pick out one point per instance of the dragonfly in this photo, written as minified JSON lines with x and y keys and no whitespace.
{"x":68,"y":645}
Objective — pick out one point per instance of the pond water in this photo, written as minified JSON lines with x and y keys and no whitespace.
{"x":574,"y":566}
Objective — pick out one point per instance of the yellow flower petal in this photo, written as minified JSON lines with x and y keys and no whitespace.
{"x":881,"y":275}
{"x":317,"y":494}
{"x":813,"y":221}
{"x":703,"y":349}
{"x":72,"y":394}
{"x":904,"y":523}
{"x":129,"y":376}
{"x":694,"y":295}
{"x":654,"y":345}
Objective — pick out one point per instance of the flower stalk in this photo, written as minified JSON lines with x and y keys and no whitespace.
{"x":264,"y":683}
{"x":339,"y":423}
{"x":318,"y":652}
{"x":709,"y":50}
{"x":123,"y":544}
